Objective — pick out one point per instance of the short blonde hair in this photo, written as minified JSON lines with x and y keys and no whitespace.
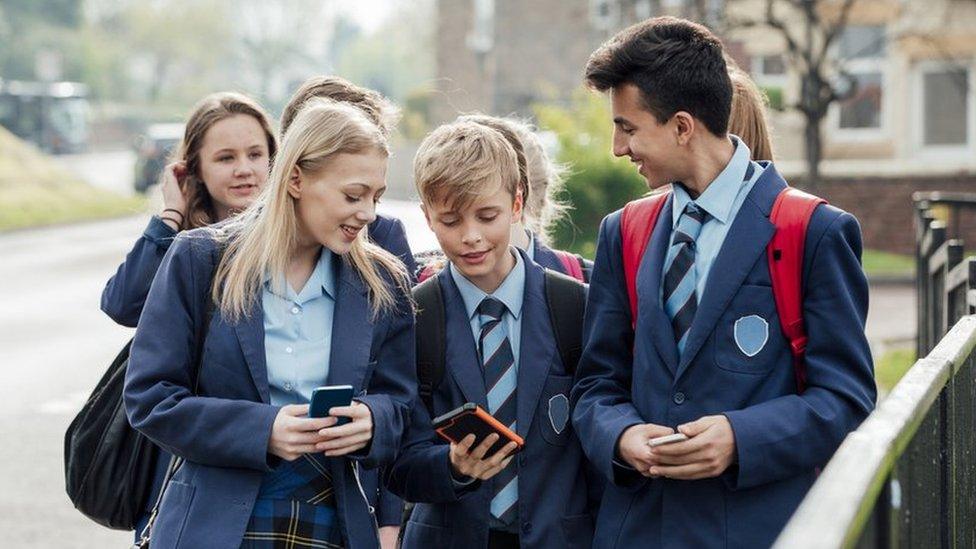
{"x":748,"y":117}
{"x":463,"y":161}
{"x":544,"y":178}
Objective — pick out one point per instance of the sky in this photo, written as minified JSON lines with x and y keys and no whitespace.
{"x":368,"y":14}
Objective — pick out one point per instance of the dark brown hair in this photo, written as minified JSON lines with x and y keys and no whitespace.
{"x":377,"y":108}
{"x":212,"y":109}
{"x":676,"y":64}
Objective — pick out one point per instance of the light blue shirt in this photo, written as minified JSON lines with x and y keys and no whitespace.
{"x":722,"y":200}
{"x":298,"y":334}
{"x":510,"y":292}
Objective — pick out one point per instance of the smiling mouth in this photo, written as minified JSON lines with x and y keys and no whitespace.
{"x":350,"y":231}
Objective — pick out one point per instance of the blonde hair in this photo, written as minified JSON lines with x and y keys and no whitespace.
{"x":261,"y":240}
{"x":210,"y":110}
{"x":748,"y":117}
{"x":544,"y":178}
{"x":380,"y":111}
{"x":463,"y":161}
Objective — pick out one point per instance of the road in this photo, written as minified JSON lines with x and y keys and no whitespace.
{"x":55,"y":344}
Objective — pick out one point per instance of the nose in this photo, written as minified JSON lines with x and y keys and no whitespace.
{"x":620,"y":145}
{"x":471,"y":237}
{"x":367,"y":214}
{"x":243,"y":168}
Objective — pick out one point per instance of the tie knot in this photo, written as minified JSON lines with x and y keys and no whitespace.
{"x":689,"y":224}
{"x":491,"y":307}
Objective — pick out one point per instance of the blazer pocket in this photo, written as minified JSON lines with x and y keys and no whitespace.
{"x":420,"y":535}
{"x":553,"y":413}
{"x":578,"y":531}
{"x":173,"y":512}
{"x":747,"y":337}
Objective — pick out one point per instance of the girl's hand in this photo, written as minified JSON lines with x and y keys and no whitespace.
{"x":294,"y":434}
{"x":350,"y":437}
{"x":173,"y":196}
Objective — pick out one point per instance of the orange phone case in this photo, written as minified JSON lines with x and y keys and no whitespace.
{"x":473,"y":419}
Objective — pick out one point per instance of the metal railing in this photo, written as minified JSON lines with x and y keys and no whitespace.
{"x":907,"y":476}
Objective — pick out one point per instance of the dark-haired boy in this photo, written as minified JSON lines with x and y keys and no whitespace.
{"x":705,"y":355}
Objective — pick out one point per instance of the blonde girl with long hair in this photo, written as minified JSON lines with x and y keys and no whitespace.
{"x":286,"y":297}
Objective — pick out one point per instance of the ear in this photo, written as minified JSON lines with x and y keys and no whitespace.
{"x":684,"y":127}
{"x":295,"y":183}
{"x":517,"y":207}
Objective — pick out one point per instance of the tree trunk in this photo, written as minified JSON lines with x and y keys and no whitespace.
{"x":814,"y":151}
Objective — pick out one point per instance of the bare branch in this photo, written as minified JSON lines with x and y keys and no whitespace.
{"x":792,"y":44}
{"x":832,"y":31}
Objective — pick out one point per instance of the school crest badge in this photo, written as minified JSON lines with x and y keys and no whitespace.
{"x":751,"y":334}
{"x":559,"y":413}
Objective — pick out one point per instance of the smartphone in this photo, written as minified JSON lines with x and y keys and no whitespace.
{"x":473,"y":419}
{"x":667,"y":439}
{"x":326,"y":398}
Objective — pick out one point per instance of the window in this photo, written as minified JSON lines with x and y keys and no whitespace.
{"x":863,"y":51}
{"x":945,"y":106}
{"x":771,"y":65}
{"x":481,"y":39}
{"x":863,"y":109}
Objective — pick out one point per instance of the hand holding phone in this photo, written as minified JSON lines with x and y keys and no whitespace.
{"x":471,"y":419}
{"x":667,"y":439}
{"x":326,"y":398}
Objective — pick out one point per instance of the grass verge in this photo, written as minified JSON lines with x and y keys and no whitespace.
{"x":891,"y":366}
{"x":35,"y":191}
{"x":883,"y":263}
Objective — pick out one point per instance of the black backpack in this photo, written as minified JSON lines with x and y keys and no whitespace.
{"x":109,"y":467}
{"x":566,"y":298}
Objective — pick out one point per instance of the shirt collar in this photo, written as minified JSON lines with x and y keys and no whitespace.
{"x":510,"y":292}
{"x":322,"y":280}
{"x":720,"y":194}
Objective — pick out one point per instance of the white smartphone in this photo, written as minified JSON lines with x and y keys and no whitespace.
{"x":667,"y":439}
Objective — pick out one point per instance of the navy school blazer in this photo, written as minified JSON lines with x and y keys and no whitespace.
{"x":544,"y":256}
{"x":125,"y":294}
{"x":556,"y":500}
{"x":628,"y":378}
{"x":222,"y":431}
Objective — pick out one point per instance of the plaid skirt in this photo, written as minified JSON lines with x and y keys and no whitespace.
{"x":295,"y":508}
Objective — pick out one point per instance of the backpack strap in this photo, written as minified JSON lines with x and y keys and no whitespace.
{"x":427,"y":272}
{"x":431,"y":339}
{"x":572,"y":264}
{"x":566,"y":297}
{"x":791,"y":215}
{"x":637,"y":222}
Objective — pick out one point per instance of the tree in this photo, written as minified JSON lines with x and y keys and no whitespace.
{"x":809,"y":52}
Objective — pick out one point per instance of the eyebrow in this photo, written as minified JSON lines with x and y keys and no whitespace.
{"x":365,"y":186}
{"x":619,"y":120}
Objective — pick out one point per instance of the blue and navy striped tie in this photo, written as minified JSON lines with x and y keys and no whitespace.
{"x":679,"y":290}
{"x":500,"y":380}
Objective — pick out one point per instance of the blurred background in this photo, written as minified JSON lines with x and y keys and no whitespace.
{"x":869,"y":101}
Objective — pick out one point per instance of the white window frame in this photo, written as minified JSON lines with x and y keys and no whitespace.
{"x":942,"y":152}
{"x":481,"y":38}
{"x":769,"y":80}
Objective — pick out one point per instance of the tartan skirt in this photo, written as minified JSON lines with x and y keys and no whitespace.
{"x":295,"y":508}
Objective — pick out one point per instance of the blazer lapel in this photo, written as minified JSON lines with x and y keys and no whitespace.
{"x":352,"y":330}
{"x":745,"y":242}
{"x":250,"y":334}
{"x":461,"y":353}
{"x":650,"y":311}
{"x":536,"y":348}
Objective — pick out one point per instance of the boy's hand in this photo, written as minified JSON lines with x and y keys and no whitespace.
{"x":472,"y":463}
{"x":633,"y":449}
{"x":707,"y":453}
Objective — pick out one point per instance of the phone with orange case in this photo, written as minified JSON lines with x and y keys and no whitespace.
{"x":473,"y":419}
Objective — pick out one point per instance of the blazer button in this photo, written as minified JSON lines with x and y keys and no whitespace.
{"x":522,"y":460}
{"x":678,"y":398}
{"x":527,"y":528}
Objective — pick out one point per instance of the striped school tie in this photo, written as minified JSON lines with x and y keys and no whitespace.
{"x":500,"y":380}
{"x":679,"y":295}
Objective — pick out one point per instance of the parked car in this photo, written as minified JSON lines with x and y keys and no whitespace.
{"x":152,"y":152}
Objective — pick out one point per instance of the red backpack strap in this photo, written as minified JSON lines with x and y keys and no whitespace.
{"x":636,"y":225}
{"x":427,"y":272}
{"x":791,"y":216}
{"x":571,"y":264}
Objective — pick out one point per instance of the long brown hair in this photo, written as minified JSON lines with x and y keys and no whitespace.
{"x":210,"y":110}
{"x":748,"y":118}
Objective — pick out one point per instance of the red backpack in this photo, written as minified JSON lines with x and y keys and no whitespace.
{"x":791,"y":215}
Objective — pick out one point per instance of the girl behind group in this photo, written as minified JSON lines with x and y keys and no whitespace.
{"x":257,"y":470}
